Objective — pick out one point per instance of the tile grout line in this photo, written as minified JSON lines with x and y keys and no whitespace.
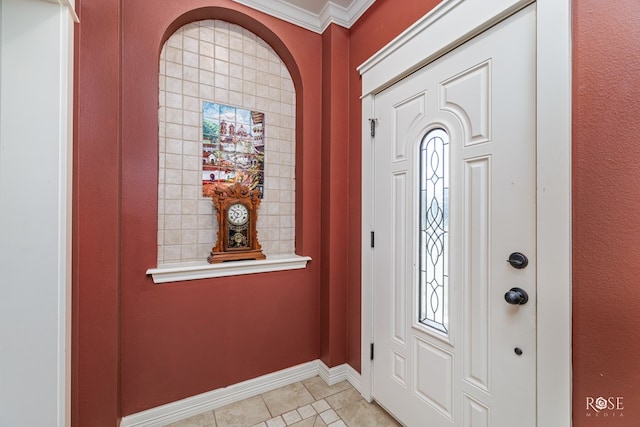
{"x":316,"y":406}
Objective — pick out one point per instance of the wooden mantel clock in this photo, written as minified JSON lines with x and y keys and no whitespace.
{"x":237,"y":208}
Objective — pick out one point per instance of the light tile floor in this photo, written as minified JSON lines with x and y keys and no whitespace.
{"x":310,"y":403}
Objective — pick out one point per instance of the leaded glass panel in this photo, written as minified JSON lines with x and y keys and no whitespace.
{"x":434,"y":231}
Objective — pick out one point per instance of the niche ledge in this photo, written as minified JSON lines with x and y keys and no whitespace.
{"x":204,"y":270}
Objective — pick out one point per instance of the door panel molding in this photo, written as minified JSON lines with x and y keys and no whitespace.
{"x":450,"y":24}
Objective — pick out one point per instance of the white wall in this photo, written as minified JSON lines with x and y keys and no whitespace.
{"x":36,"y":50}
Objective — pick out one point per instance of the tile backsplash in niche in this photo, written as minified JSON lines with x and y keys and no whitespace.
{"x":215,"y":61}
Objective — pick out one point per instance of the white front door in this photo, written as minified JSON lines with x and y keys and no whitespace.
{"x":454,"y":197}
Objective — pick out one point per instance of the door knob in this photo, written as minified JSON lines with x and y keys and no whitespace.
{"x":516,"y":296}
{"x":518,"y":260}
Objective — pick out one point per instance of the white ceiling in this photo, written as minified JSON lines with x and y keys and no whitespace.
{"x":314,"y":15}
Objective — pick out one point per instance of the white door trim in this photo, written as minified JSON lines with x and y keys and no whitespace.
{"x":447,"y":26}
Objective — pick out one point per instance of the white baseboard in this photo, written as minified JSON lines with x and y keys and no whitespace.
{"x":339,"y":373}
{"x":191,"y":406}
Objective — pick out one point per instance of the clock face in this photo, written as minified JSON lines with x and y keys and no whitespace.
{"x":238,"y":214}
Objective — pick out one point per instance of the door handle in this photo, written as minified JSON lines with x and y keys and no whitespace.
{"x":518,"y":260}
{"x":516,"y":296}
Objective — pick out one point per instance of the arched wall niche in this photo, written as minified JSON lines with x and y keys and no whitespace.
{"x":185,"y":219}
{"x":245,"y":21}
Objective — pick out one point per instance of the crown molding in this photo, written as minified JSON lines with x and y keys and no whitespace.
{"x":345,"y":17}
{"x":331,"y":13}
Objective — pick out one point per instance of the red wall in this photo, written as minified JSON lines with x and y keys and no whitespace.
{"x":139,"y":345}
{"x":182,"y":339}
{"x":335,"y":195}
{"x":96,"y":196}
{"x":606,"y":207}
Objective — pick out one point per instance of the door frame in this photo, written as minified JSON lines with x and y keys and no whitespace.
{"x":444,"y":28}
